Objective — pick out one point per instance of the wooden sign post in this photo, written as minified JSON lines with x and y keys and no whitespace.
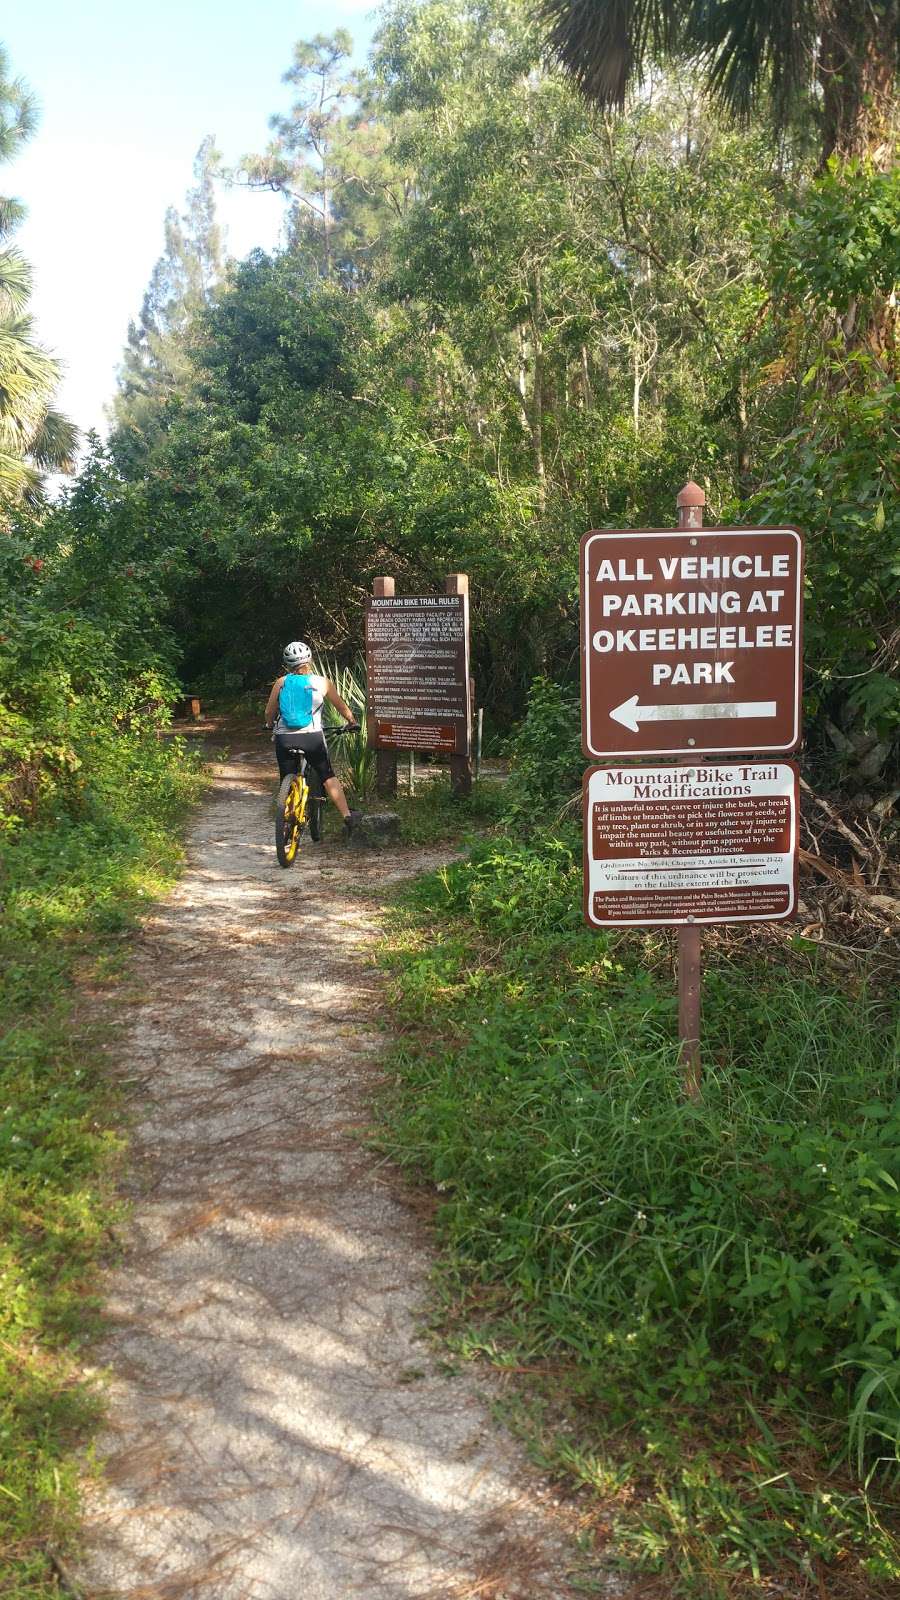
{"x":385,"y":761}
{"x":689,"y":504}
{"x":460,"y":763}
{"x":691,"y":647}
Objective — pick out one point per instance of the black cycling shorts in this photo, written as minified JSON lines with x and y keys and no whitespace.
{"x":314,"y":748}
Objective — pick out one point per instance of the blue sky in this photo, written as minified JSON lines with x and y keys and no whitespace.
{"x":127,"y":92}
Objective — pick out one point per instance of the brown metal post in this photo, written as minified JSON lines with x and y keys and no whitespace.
{"x":385,"y":760}
{"x":460,"y":766}
{"x":690,"y":503}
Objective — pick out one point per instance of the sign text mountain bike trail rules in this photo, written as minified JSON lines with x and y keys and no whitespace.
{"x":691,"y":642}
{"x":417,"y":661}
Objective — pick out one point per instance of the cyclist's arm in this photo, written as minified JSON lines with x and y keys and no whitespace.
{"x":272,"y":702}
{"x":334,"y":698}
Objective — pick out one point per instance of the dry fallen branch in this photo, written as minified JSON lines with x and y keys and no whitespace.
{"x":853,"y":839}
{"x":853,"y":884}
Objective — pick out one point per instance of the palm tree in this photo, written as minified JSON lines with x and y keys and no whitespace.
{"x":34,"y":438}
{"x":843,"y":54}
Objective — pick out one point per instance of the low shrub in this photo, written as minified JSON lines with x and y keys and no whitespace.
{"x":546,"y":762}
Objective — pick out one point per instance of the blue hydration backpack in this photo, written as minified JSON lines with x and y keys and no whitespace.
{"x":295,"y":702}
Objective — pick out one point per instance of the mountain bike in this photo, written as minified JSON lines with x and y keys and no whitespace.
{"x":299,"y":806}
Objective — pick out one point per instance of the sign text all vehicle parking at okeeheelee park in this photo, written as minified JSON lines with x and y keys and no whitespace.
{"x":691,"y":642}
{"x":713,"y":842}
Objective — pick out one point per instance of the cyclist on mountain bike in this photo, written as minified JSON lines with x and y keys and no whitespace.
{"x":294,"y":707}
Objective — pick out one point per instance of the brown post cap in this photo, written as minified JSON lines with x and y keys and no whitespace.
{"x":456,"y":583}
{"x":690,"y":495}
{"x":383,"y":588}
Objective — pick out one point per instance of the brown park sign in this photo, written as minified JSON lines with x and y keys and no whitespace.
{"x":691,"y":641}
{"x":681,"y":844}
{"x":417,"y":660}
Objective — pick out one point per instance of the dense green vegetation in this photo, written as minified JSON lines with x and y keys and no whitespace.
{"x":706,"y":1294}
{"x":504,"y":311}
{"x":502,"y":317}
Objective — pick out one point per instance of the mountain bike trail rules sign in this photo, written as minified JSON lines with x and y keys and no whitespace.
{"x":679,"y":844}
{"x":417,"y":661}
{"x":691,"y":642}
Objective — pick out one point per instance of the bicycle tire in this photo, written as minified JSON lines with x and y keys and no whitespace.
{"x":288,"y":827}
{"x":316,"y":807}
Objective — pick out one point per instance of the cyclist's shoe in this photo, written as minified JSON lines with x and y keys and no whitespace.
{"x":353,"y":821}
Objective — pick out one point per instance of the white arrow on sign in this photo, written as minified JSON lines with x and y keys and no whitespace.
{"x":630,"y":714}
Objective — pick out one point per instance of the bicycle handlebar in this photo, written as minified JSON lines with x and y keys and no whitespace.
{"x":331,"y":733}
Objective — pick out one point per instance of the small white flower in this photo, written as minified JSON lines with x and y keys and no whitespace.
{"x":571,"y":1206}
{"x":821,"y":1166}
{"x":15,"y":1139}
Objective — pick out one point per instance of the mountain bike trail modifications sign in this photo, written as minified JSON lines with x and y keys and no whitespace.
{"x":417,"y":660}
{"x":680,"y":844}
{"x":691,"y":642}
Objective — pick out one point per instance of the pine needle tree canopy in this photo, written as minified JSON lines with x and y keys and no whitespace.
{"x":837,"y":56}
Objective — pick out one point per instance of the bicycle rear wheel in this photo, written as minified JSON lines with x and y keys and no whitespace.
{"x":290,"y":818}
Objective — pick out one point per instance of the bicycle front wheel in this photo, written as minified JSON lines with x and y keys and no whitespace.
{"x":290,"y":818}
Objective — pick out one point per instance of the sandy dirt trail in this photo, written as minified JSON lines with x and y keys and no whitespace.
{"x":277,"y":1429}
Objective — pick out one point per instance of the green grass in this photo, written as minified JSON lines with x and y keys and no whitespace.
{"x":709,"y":1292}
{"x":71,"y":890}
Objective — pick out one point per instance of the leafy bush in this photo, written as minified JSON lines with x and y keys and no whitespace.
{"x":545,"y":755}
{"x":833,"y":450}
{"x":82,"y":698}
{"x":681,"y":1255}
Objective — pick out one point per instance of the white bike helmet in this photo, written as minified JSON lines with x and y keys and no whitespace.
{"x":296,"y":654}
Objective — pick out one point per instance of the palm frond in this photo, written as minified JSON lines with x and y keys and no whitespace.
{"x":17,"y":478}
{"x":748,"y":46}
{"x":54,"y":443}
{"x":12,"y":212}
{"x":18,"y":110}
{"x":15,"y":283}
{"x":604,"y":45}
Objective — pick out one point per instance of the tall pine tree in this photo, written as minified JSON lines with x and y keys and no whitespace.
{"x":156,"y":360}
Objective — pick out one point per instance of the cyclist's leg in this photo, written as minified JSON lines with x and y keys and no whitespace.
{"x":335,"y":792}
{"x":286,"y":758}
{"x":320,"y":761}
